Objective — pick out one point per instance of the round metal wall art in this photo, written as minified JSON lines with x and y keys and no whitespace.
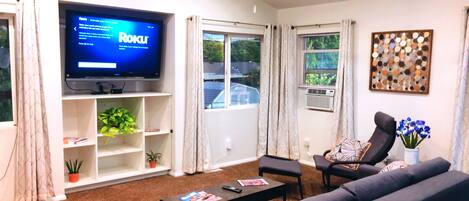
{"x":400,"y":61}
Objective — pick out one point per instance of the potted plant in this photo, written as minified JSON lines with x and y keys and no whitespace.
{"x":412,"y":133}
{"x":73,"y":170}
{"x":153,"y":158}
{"x":116,"y":121}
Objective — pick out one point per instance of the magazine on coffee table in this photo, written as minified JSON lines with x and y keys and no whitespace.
{"x":253,"y":182}
{"x":199,"y":196}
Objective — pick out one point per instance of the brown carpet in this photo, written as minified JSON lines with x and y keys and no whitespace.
{"x":164,"y":186}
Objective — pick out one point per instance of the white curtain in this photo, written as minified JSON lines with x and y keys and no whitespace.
{"x":278,"y":125}
{"x":460,"y":143}
{"x":195,"y":156}
{"x":33,"y":170}
{"x":343,"y":113}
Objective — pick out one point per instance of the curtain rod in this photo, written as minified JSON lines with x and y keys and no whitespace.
{"x":233,"y":22}
{"x":318,"y":25}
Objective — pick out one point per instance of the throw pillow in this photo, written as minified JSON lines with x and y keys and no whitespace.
{"x":394,"y":166}
{"x":347,"y":149}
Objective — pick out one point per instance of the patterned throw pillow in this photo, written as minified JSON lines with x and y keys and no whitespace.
{"x":347,"y":149}
{"x":394,"y":166}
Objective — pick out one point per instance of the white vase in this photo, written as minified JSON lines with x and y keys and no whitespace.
{"x":411,"y":156}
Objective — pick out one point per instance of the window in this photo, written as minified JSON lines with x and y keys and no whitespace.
{"x":231,"y":70}
{"x":6,"y":94}
{"x":320,"y":59}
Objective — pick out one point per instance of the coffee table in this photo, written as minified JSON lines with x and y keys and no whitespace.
{"x":275,"y":189}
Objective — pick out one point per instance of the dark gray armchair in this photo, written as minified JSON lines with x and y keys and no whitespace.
{"x":381,"y":141}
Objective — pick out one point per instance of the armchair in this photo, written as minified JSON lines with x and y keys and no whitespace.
{"x":381,"y":141}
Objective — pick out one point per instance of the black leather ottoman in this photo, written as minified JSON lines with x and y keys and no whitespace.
{"x":281,"y":166}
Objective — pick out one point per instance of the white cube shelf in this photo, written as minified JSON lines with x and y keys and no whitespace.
{"x":108,"y":160}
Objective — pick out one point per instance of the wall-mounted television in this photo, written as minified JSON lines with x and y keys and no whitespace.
{"x":101,"y":46}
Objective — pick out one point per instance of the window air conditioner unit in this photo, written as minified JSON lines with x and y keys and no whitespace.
{"x":320,"y":99}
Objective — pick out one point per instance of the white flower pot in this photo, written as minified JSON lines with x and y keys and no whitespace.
{"x":411,"y":156}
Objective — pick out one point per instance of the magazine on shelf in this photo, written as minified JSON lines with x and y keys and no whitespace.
{"x":253,"y":182}
{"x":199,"y":196}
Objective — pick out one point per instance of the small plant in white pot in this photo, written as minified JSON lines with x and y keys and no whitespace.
{"x":73,"y":170}
{"x":412,"y":133}
{"x":153,"y":158}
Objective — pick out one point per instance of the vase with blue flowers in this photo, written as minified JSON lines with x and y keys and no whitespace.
{"x":412,"y":133}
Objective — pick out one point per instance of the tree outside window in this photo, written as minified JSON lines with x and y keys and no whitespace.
{"x":6,"y":106}
{"x":242,"y":75}
{"x":321,"y":55}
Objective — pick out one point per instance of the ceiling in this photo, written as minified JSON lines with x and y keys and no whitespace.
{"x":296,"y":3}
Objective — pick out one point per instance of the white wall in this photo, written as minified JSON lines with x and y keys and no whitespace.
{"x":236,"y":125}
{"x":444,"y":17}
{"x":216,"y":9}
{"x":7,"y":186}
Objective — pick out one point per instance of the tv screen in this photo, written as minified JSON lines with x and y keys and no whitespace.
{"x":99,"y":45}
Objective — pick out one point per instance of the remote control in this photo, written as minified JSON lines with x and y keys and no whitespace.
{"x":232,"y":188}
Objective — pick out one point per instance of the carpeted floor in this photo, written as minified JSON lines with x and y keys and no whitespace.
{"x":164,"y":186}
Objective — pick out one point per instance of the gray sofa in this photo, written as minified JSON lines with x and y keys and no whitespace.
{"x":427,"y":181}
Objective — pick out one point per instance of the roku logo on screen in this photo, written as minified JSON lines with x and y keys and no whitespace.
{"x":128,"y":38}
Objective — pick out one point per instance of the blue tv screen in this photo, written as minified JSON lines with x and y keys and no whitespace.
{"x":100,"y":46}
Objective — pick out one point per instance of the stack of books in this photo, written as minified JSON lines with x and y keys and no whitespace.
{"x":199,"y":196}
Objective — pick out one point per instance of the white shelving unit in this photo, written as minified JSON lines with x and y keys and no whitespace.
{"x":84,"y":144}
{"x":117,"y":149}
{"x":157,"y":133}
{"x":122,"y":157}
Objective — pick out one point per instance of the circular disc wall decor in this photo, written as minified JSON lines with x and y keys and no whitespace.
{"x":400,"y":61}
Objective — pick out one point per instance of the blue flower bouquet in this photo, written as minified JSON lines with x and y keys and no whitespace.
{"x":412,"y":133}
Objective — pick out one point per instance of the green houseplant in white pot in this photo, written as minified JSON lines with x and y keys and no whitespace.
{"x":412,"y":133}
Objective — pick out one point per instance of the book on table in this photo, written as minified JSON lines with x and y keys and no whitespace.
{"x":199,"y":196}
{"x":253,"y":182}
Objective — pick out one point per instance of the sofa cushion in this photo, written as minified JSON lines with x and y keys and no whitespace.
{"x":428,"y":169}
{"x":336,"y":195}
{"x":372,"y":187}
{"x":451,"y":186}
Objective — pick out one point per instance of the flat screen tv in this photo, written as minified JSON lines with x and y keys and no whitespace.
{"x":112,"y":47}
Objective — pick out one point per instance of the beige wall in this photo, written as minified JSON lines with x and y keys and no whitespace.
{"x":444,"y":17}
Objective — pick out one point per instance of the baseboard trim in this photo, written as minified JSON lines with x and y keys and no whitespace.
{"x":308,"y":163}
{"x":236,"y":162}
{"x":177,"y":173}
{"x":213,"y":170}
{"x":113,"y":182}
{"x":59,"y":197}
